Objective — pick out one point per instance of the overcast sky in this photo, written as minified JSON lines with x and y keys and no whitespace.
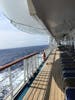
{"x":10,"y":37}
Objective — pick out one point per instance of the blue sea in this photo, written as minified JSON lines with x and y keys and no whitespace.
{"x":9,"y":55}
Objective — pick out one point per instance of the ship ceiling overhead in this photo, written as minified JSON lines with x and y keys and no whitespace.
{"x":58,"y":16}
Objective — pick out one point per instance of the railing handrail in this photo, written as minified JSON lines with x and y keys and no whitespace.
{"x":20,"y":59}
{"x":16,"y":61}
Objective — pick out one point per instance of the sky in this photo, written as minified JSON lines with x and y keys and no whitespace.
{"x":10,"y":37}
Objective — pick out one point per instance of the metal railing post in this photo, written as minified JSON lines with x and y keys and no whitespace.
{"x":41,"y":58}
{"x":25,"y":64}
{"x":32,"y":66}
{"x":10,"y":80}
{"x":29,"y":67}
{"x":25,"y":70}
{"x":35,"y":63}
{"x":38,"y":60}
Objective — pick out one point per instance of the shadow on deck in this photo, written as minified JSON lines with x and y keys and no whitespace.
{"x":55,"y":86}
{"x":48,"y":84}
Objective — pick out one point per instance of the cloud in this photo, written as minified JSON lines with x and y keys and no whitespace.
{"x":10,"y":37}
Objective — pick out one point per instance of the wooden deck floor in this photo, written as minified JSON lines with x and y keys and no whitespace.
{"x":47,"y":85}
{"x":56,"y":91}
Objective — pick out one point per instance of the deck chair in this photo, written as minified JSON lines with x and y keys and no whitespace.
{"x":70,"y":93}
{"x":69,"y":82}
{"x":69,"y":74}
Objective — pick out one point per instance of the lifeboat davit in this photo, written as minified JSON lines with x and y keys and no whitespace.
{"x":22,"y":15}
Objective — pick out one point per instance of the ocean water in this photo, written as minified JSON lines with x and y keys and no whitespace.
{"x":9,"y":55}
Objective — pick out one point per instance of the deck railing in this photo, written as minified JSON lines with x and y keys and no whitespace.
{"x":14,"y":75}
